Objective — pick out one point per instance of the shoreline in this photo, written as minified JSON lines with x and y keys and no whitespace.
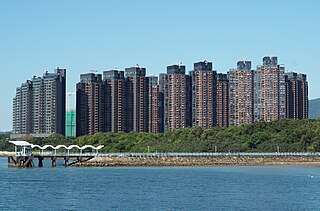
{"x":303,"y":164}
{"x":159,"y":161}
{"x":195,"y":161}
{"x":6,"y":154}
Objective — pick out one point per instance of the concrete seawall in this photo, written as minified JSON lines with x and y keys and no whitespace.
{"x":105,"y":160}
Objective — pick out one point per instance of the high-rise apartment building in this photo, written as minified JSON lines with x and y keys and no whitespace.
{"x":115,"y":102}
{"x":90,"y":105}
{"x":296,"y":95}
{"x":222,"y":100}
{"x":178,"y":95}
{"x":272,"y":90}
{"x":163,"y":102}
{"x":130,"y":101}
{"x":241,"y":94}
{"x":137,"y":99}
{"x":257,"y":95}
{"x":153,"y":105}
{"x":39,"y":106}
{"x":267,"y":94}
{"x":55,"y":101}
{"x":22,"y":109}
{"x":204,"y":95}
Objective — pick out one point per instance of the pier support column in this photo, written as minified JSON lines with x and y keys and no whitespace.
{"x":66,"y":161}
{"x":12,"y":161}
{"x":22,"y":161}
{"x":29,"y":162}
{"x":54,"y":161}
{"x":40,"y":163}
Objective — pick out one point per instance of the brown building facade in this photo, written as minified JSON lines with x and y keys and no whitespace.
{"x":90,"y":105}
{"x":153,"y":105}
{"x":130,"y":101}
{"x":136,"y":99}
{"x":273,"y":90}
{"x":177,"y":97}
{"x":163,"y":102}
{"x":204,"y":95}
{"x":241,"y":94}
{"x":115,"y":103}
{"x":222,"y":100}
{"x":296,"y":95}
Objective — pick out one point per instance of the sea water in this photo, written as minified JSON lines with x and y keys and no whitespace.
{"x":159,"y":188}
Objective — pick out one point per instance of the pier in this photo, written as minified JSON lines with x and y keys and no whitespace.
{"x":75,"y":155}
{"x":24,"y":157}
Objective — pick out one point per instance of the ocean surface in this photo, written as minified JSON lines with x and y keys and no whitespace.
{"x":160,"y":188}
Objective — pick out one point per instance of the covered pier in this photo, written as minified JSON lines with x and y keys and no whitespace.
{"x":24,"y":156}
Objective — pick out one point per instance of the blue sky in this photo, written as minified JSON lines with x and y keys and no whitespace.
{"x":82,"y":35}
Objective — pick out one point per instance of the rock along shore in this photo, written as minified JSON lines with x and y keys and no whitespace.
{"x":226,"y":160}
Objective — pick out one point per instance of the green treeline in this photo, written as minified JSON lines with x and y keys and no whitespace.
{"x":286,"y":135}
{"x":4,"y":136}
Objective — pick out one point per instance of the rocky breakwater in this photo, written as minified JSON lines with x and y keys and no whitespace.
{"x":225,"y":160}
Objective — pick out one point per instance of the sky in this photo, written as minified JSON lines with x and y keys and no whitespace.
{"x":80,"y":36}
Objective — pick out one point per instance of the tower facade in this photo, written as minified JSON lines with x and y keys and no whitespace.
{"x":22,"y":109}
{"x":273,"y":90}
{"x":178,"y":96}
{"x":153,"y":105}
{"x":115,"y":110}
{"x":90,"y":105}
{"x":39,"y":106}
{"x":204,"y":95}
{"x":137,"y":102}
{"x":222,"y":100}
{"x":163,"y":102}
{"x":296,"y":95}
{"x":55,"y":95}
{"x":241,"y":94}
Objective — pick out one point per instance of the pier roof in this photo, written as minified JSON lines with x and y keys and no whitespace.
{"x":67,"y":147}
{"x":21,"y":143}
{"x":27,"y":144}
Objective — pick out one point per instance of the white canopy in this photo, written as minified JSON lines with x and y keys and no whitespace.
{"x":21,"y":143}
{"x":69,"y":147}
{"x":27,"y":144}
